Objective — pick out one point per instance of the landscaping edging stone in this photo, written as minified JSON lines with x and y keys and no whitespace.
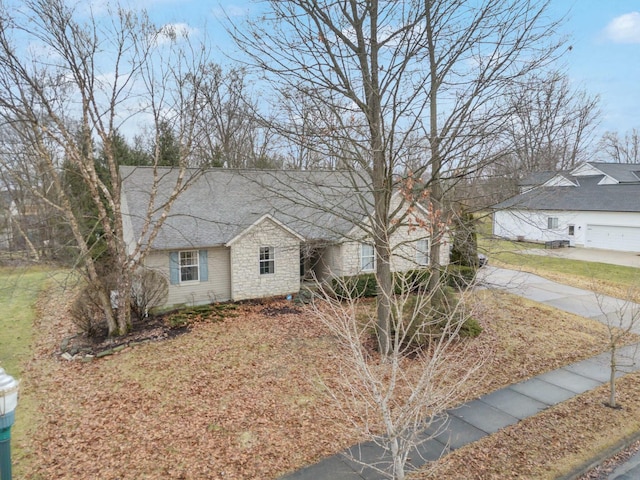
{"x":83,"y":355}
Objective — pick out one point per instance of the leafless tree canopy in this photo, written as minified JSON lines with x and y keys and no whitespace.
{"x":551,"y":125}
{"x":614,"y":148}
{"x":70,"y":81}
{"x":397,"y":89}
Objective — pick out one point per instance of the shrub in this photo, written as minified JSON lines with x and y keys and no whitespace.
{"x":464,"y":250}
{"x":437,"y":316}
{"x":470,"y":328}
{"x":411,"y":281}
{"x":357,"y":286}
{"x":366,"y":285}
{"x":459,"y":276}
{"x":201,"y":313}
{"x":148,"y":288}
{"x":86,"y":313}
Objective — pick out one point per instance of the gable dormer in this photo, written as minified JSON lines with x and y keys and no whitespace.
{"x":590,"y":170}
{"x":586,"y":170}
{"x":560,"y":180}
{"x":607,"y":180}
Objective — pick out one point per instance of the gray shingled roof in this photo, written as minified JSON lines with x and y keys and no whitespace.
{"x":622,"y":172}
{"x":536,"y":178}
{"x":221,"y":203}
{"x":587,"y":197}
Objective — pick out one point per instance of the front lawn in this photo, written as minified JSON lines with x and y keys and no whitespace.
{"x":615,"y":280}
{"x":242,"y":398}
{"x":19,"y":288}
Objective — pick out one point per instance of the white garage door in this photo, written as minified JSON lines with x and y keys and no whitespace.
{"x":613,"y":238}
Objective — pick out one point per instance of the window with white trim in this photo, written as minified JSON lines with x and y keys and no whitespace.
{"x":552,"y":222}
{"x":367,"y":257}
{"x":422,"y":251}
{"x":189,"y":266}
{"x":267,"y":260}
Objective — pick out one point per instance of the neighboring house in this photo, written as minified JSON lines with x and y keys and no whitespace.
{"x":595,"y":205}
{"x":235,"y":235}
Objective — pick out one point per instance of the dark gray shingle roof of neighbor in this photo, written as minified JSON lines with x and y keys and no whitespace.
{"x":536,"y":178}
{"x":622,"y":172}
{"x":219,"y":204}
{"x":587,"y":197}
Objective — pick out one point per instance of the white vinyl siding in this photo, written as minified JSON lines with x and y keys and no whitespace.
{"x":213,"y":265}
{"x":606,"y":230}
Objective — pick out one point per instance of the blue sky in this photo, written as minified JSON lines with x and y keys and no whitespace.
{"x":604,"y":35}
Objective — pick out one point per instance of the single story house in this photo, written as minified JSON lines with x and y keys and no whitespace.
{"x":243,"y":234}
{"x":595,"y":205}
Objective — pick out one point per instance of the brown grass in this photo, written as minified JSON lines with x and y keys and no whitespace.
{"x":243,"y":398}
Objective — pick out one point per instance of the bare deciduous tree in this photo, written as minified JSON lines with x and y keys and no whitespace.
{"x":621,"y":320}
{"x":551,"y":125}
{"x":424,"y":374}
{"x":230,"y":135}
{"x":383,"y":77}
{"x":62,"y":72}
{"x":621,"y":150}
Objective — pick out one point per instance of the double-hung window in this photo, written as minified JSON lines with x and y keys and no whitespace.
{"x":422,"y":251}
{"x":267,"y":261}
{"x":189,"y":266}
{"x":367,"y":257}
{"x":552,"y":223}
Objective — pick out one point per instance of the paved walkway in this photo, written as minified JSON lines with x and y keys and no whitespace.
{"x":489,"y":413}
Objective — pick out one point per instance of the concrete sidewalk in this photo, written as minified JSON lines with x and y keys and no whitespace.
{"x":496,"y":410}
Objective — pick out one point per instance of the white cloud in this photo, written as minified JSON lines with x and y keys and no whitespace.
{"x":624,"y":29}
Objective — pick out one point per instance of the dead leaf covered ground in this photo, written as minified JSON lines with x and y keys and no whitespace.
{"x":244,"y":398}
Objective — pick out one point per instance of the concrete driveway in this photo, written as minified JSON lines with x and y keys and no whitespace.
{"x":627,"y":259}
{"x":602,"y":308}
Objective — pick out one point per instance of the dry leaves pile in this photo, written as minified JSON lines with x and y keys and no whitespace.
{"x":243,"y":398}
{"x":550,"y":444}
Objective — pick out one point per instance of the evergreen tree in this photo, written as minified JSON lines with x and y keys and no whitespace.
{"x":464,"y":250}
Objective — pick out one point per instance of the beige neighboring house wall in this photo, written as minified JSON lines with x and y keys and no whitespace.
{"x":246,"y":280}
{"x":216,"y":289}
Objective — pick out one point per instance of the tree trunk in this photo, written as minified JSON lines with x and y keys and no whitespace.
{"x":124,"y":302}
{"x":27,"y":241}
{"x":612,"y":377}
{"x":436,"y":162}
{"x":398,"y":460}
{"x":383,"y":303}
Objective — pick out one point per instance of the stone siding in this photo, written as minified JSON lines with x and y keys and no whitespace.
{"x":246,"y":280}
